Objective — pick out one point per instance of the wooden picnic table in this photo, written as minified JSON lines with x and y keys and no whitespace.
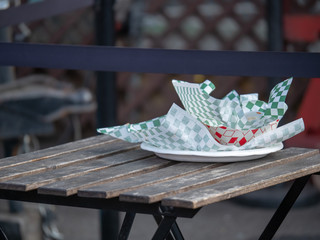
{"x":106,"y":173}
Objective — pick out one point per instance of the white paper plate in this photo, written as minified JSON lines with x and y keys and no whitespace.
{"x":221,"y":156}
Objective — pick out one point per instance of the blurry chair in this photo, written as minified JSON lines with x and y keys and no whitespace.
{"x":29,"y":107}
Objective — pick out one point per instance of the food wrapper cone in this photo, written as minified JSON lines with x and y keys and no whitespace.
{"x":179,"y":130}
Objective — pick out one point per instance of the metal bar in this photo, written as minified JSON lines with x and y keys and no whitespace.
{"x":284,"y":208}
{"x":275,"y":25}
{"x":158,"y":220}
{"x":104,"y":58}
{"x":275,"y":32}
{"x":171,"y":235}
{"x":94,"y":203}
{"x":164,"y":227}
{"x":39,"y":10}
{"x":126,"y":226}
{"x":106,"y":81}
{"x":175,"y":230}
{"x":75,"y":201}
{"x":3,"y":235}
{"x":6,"y":73}
{"x":106,"y":99}
{"x":109,"y":222}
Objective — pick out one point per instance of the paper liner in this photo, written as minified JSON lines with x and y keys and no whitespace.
{"x":236,"y":122}
{"x":229,"y":136}
{"x":179,"y":130}
{"x":234,"y":110}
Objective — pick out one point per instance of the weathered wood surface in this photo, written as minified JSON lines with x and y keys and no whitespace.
{"x":113,"y":189}
{"x":71,"y":186}
{"x":159,"y":191}
{"x":102,"y":167}
{"x":34,"y":181}
{"x":245,"y":184}
{"x":66,"y":159}
{"x":55,"y":151}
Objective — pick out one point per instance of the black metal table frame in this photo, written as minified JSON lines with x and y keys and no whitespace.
{"x":164,"y":216}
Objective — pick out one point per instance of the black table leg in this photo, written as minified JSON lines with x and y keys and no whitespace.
{"x":175,"y":233}
{"x":2,"y":235}
{"x":164,"y":227}
{"x":284,"y":208}
{"x":158,"y":219}
{"x":126,"y":226}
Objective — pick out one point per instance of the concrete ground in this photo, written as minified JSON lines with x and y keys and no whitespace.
{"x":227,"y":220}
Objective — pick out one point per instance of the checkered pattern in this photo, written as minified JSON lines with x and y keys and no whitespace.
{"x":233,"y":109}
{"x":207,"y":86}
{"x":178,"y":130}
{"x":275,"y":136}
{"x":233,"y":96}
{"x":280,"y":91}
{"x":276,"y":105}
{"x":120,"y":132}
{"x":129,"y":132}
{"x":201,"y":105}
{"x":249,"y":97}
{"x":229,"y":136}
{"x":156,"y":122}
{"x":236,"y":122}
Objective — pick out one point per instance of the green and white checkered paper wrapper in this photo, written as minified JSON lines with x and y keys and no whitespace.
{"x":179,"y":130}
{"x":233,"y":111}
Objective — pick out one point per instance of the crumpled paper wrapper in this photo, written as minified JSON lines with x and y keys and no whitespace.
{"x":235,"y":119}
{"x":193,"y":129}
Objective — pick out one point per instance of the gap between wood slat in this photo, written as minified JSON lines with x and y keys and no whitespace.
{"x":245,"y":184}
{"x":71,"y":186}
{"x":30,"y":182}
{"x":158,"y":191}
{"x":113,"y":189}
{"x":67,"y":159}
{"x":56,"y":151}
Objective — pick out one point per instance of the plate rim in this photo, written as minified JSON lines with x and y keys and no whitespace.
{"x":215,"y":154}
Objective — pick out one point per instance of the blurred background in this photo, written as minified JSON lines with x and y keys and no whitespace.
{"x":40,"y":108}
{"x":240,"y":25}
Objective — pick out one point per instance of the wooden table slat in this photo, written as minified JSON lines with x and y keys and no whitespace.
{"x":71,"y":186}
{"x":158,"y":191}
{"x":113,"y":189}
{"x":65,"y":160}
{"x":30,"y":182}
{"x":55,"y":151}
{"x":245,"y":184}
